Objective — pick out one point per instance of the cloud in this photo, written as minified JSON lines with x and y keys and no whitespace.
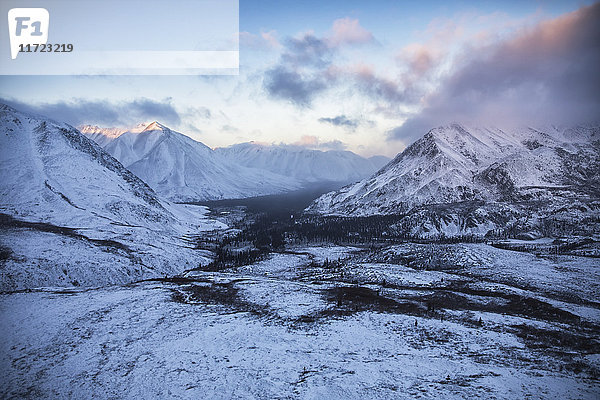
{"x":192,"y":128}
{"x":301,"y":71}
{"x":341,"y":120}
{"x":290,"y":85}
{"x":261,"y":41}
{"x":546,"y":74}
{"x":201,"y":112}
{"x":378,"y":87}
{"x":305,"y":66}
{"x":349,"y":31}
{"x":313,"y":142}
{"x":333,"y":145}
{"x":307,"y":50}
{"x":307,"y":141}
{"x":229,"y":128}
{"x":102,"y":112}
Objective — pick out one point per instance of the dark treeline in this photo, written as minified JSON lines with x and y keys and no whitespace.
{"x":227,"y":258}
{"x":282,"y":229}
{"x":275,"y":230}
{"x":271,"y":232}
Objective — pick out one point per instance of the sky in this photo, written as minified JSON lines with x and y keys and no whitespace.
{"x":365,"y":76}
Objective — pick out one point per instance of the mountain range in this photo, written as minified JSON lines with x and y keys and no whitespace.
{"x":305,"y":165}
{"x":71,"y":213}
{"x":459,"y":179}
{"x":182,"y":169}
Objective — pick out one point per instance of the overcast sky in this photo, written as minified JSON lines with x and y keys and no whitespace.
{"x":367,"y":76}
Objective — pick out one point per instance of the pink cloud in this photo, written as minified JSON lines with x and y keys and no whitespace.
{"x":307,"y":141}
{"x":541,"y":74}
{"x":349,"y":31}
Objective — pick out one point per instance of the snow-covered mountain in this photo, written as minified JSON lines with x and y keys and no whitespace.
{"x":304,"y":164}
{"x":71,"y":213}
{"x":379,"y":161}
{"x":457,"y":164}
{"x":104,"y":136}
{"x":182,"y":169}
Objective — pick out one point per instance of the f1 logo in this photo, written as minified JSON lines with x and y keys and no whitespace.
{"x":27,"y":26}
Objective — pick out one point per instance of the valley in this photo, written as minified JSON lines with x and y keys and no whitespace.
{"x":226,"y":199}
{"x":461,"y":281}
{"x":291,"y":307}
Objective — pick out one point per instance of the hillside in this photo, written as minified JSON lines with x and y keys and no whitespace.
{"x":183,"y":169}
{"x":444,"y":178}
{"x":304,"y":164}
{"x":72,"y":214}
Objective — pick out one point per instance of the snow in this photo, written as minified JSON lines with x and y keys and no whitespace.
{"x":456,"y":163}
{"x":270,"y":337}
{"x":328,"y":252}
{"x":71,"y":214}
{"x":560,"y":279}
{"x":277,"y":264}
{"x":182,"y":169}
{"x":81,"y":236}
{"x":304,"y":164}
{"x":102,"y":136}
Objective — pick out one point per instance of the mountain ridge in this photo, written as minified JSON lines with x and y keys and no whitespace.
{"x":183,"y":169}
{"x":453,"y":164}
{"x":72,"y":214}
{"x":306,"y":165}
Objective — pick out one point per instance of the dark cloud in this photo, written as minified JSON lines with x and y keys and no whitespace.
{"x":306,"y":67}
{"x":341,"y":120}
{"x":545,"y":75}
{"x":379,"y":88}
{"x":299,"y":76}
{"x":303,"y":68}
{"x":287,"y":84}
{"x":103,"y":113}
{"x":307,"y":51}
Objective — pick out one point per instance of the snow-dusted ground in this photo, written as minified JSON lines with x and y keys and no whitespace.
{"x":100,"y":255}
{"x":284,"y":329}
{"x":564,"y":276}
{"x":70,"y":214}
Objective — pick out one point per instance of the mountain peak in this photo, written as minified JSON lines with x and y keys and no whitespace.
{"x":156,"y":126}
{"x":82,"y":128}
{"x":93,"y":131}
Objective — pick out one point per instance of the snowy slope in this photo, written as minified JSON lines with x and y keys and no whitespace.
{"x":455,"y":163}
{"x":102,"y":136}
{"x":183,"y":169}
{"x":304,"y":164}
{"x":72,"y":212}
{"x":506,"y":325}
